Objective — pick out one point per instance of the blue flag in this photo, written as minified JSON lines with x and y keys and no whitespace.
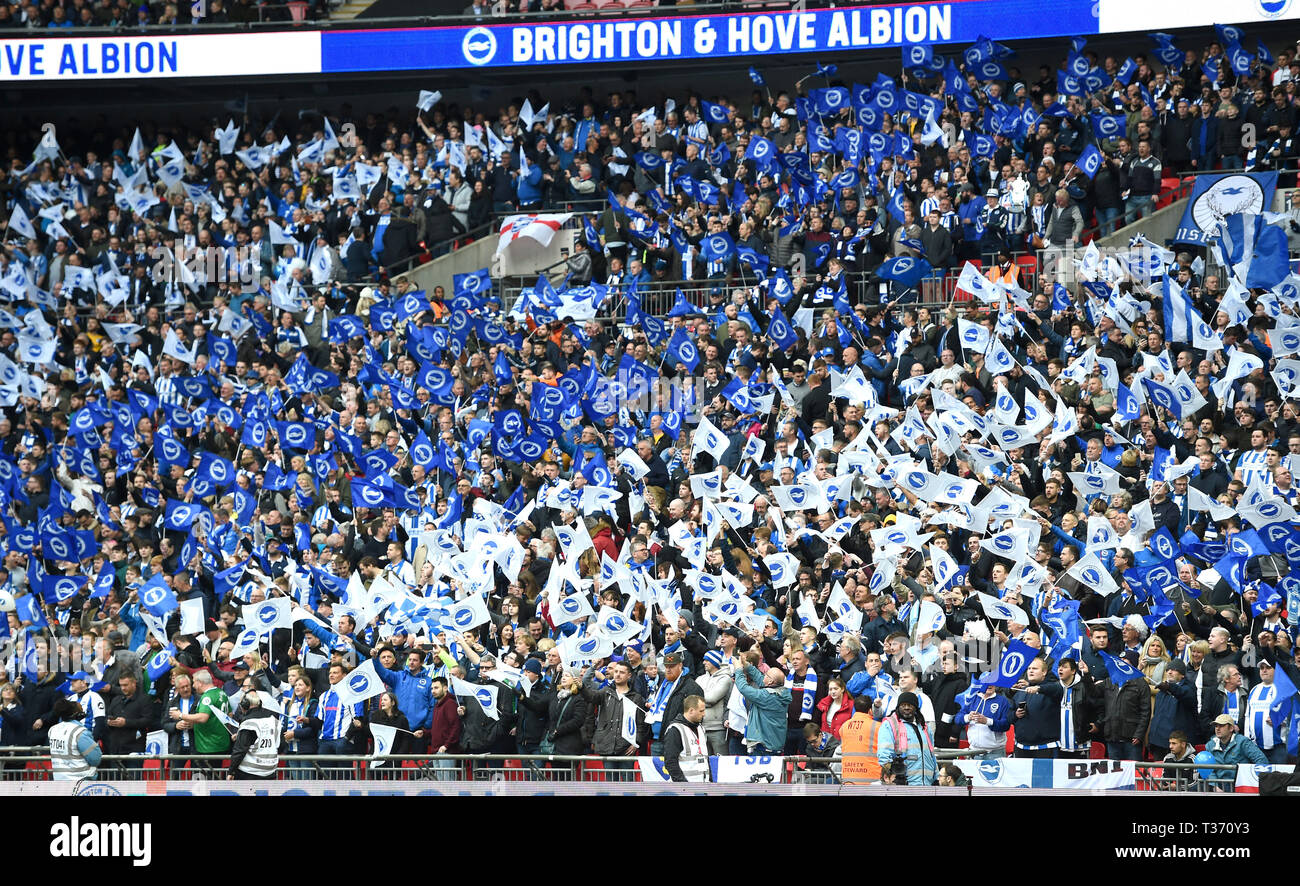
{"x":1015,"y":660}
{"x":682,"y":350}
{"x":157,"y":597}
{"x":1090,"y":160}
{"x":501,"y":368}
{"x":29,"y":610}
{"x":1284,"y":698}
{"x":781,"y":332}
{"x":1119,"y":670}
{"x":905,"y":270}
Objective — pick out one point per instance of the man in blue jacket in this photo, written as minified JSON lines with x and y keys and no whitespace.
{"x":414,"y":690}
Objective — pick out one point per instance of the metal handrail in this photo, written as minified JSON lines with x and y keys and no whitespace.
{"x":1149,"y":776}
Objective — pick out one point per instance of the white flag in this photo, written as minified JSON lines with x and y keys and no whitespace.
{"x":278,"y":235}
{"x":246,"y":642}
{"x":34,"y":350}
{"x":617,"y":626}
{"x":467,"y":614}
{"x":539,"y":227}
{"x":1001,"y":609}
{"x":172,"y":348}
{"x":268,"y":615}
{"x":1090,"y":571}
{"x":155,"y":743}
{"x":571,"y":608}
{"x":48,"y":147}
{"x":930,"y":618}
{"x":360,"y":685}
{"x":385,"y":737}
{"x":226,"y":138}
{"x":486,"y":696}
{"x":18,"y":221}
{"x":628,"y":726}
{"x":428,"y":99}
{"x":191,"y":616}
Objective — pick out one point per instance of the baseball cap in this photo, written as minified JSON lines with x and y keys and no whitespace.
{"x":1224,"y":720}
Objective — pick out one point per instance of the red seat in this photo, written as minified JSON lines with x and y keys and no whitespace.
{"x":592,"y":766}
{"x":155,"y":770}
{"x":1027,"y":263}
{"x":517,"y":774}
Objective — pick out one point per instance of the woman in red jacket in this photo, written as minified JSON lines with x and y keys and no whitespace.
{"x":836,"y":708}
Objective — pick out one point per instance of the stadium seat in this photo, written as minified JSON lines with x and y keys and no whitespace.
{"x":1028,"y":264}
{"x":298,"y":10}
{"x":1169,"y":188}
{"x":155,"y":770}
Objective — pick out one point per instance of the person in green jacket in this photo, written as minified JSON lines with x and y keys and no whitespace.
{"x":769,"y":703}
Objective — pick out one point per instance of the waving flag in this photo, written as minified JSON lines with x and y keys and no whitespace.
{"x":1118,"y":669}
{"x":539,"y":227}
{"x":682,"y":350}
{"x":157,"y":597}
{"x":905,"y":270}
{"x":1254,"y":249}
{"x":360,"y":685}
{"x":268,"y":615}
{"x":1015,"y":660}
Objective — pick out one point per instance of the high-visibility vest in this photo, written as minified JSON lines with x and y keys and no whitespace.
{"x":1010,"y":278}
{"x":860,"y":747}
{"x":263,"y":755}
{"x":67,"y":762}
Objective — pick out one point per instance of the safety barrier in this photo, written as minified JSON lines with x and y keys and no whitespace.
{"x":444,"y":767}
{"x":1182,"y":778}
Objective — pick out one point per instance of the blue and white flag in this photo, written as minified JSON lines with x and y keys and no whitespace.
{"x":1254,"y":249}
{"x":467,"y":614}
{"x":905,"y":270}
{"x":157,"y":597}
{"x":1090,"y":160}
{"x":1119,"y":670}
{"x":360,"y":685}
{"x":268,"y":615}
{"x":1015,"y":660}
{"x":682,"y":350}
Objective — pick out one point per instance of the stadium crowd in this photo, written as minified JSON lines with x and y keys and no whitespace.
{"x":566,"y":526}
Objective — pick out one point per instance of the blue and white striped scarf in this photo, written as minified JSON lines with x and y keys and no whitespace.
{"x":1232,"y":705}
{"x":655,"y":715}
{"x":809,"y":692}
{"x":1068,"y":742}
